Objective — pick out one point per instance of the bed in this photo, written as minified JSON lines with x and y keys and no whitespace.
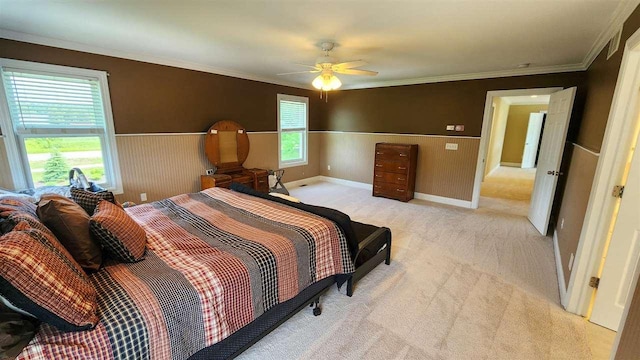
{"x":221,"y":270}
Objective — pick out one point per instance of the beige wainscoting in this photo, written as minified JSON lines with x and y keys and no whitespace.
{"x":574,"y":204}
{"x":163,"y":165}
{"x":5,"y":173}
{"x":440,"y":172}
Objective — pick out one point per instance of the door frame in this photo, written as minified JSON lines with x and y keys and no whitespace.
{"x":600,"y":208}
{"x":485,"y":135}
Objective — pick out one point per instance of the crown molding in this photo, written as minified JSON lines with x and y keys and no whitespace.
{"x":472,"y":76}
{"x":70,"y":45}
{"x":619,"y":16}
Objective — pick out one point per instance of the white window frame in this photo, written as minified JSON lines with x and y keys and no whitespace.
{"x":16,"y":153}
{"x":305,"y":137}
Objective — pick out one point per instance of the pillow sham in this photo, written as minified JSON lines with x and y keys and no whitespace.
{"x":39,"y":276}
{"x":70,"y":224}
{"x":89,"y":200}
{"x":118,"y":233}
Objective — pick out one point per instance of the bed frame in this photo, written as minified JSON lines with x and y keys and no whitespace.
{"x":377,"y":242}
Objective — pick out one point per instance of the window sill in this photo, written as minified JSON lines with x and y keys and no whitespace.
{"x":292,"y":164}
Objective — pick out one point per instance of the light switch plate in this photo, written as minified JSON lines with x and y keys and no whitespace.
{"x":451,"y":146}
{"x":459,"y":127}
{"x":451,"y":127}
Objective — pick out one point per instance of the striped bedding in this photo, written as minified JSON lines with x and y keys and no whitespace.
{"x":215,"y":261}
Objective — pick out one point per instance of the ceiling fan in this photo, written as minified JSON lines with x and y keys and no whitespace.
{"x":328,"y":66}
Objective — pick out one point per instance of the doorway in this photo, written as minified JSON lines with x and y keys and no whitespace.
{"x":514,"y":143}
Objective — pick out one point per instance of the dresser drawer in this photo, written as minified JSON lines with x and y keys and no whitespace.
{"x":388,"y":177}
{"x":393,"y":152}
{"x":390,"y":190}
{"x":398,"y":167}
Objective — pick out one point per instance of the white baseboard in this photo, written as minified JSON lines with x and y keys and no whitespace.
{"x":443,"y":200}
{"x":559,"y":270}
{"x":361,"y":185}
{"x":510,"y":164}
{"x":307,"y":181}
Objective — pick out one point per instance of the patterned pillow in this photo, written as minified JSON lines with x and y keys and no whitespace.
{"x":9,"y":204}
{"x":17,"y":217}
{"x":89,"y":200}
{"x":118,"y":233}
{"x":40,"y":277}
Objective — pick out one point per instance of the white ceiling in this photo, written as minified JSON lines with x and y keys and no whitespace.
{"x":405,"y":41}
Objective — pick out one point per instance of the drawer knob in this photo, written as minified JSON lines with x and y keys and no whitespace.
{"x":400,"y":190}
{"x":378,"y":165}
{"x":401,"y":179}
{"x":378,"y":175}
{"x":379,"y":152}
{"x":403,"y":154}
{"x":402,"y":168}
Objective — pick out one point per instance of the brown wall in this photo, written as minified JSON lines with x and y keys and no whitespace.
{"x":574,"y":204}
{"x":440,"y":172}
{"x":516,"y":132}
{"x":150,"y":98}
{"x":629,"y":347}
{"x":428,"y":108}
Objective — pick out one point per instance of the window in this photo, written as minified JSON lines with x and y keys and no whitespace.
{"x":55,"y":118}
{"x":293,"y":121}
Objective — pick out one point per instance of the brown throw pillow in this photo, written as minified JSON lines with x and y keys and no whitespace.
{"x":70,"y":224}
{"x":118,"y":233}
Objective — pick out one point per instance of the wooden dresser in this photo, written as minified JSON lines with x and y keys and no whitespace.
{"x":394,"y":172}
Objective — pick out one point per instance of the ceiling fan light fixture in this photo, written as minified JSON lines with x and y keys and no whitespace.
{"x":326,"y":82}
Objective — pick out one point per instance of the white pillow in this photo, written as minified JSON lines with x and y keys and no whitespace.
{"x":286,"y":197}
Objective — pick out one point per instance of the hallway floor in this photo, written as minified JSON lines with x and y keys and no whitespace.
{"x":509,"y":183}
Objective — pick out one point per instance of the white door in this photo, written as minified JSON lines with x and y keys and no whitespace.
{"x":551,"y":149}
{"x":622,"y":255}
{"x":532,"y":140}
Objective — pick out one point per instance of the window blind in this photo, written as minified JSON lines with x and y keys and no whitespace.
{"x":293,"y":115}
{"x":42,"y":101}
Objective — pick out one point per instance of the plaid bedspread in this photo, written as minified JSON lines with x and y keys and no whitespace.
{"x":215,"y":261}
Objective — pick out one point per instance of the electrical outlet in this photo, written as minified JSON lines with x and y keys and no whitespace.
{"x":143,"y":197}
{"x":328,"y":167}
{"x":451,"y":127}
{"x":451,"y":146}
{"x":210,"y":171}
{"x":562,"y":224}
{"x":459,"y":127}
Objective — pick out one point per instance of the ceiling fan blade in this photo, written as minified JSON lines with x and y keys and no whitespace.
{"x":356,"y":72}
{"x":300,"y":72}
{"x":350,"y":64}
{"x":309,"y":66}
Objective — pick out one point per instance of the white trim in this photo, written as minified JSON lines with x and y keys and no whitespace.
{"x":189,"y":133}
{"x":587,"y":150}
{"x":616,"y":143}
{"x":471,"y":76}
{"x":487,"y":119}
{"x":63,"y":44}
{"x":366,"y":186}
{"x":619,"y":16}
{"x":562,"y":286}
{"x":510,"y":164}
{"x":443,"y":200}
{"x":305,"y":140}
{"x":307,"y":181}
{"x":392,"y":134}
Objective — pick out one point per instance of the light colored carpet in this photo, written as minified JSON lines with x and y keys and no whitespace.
{"x":462,"y":284}
{"x":509,"y":183}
